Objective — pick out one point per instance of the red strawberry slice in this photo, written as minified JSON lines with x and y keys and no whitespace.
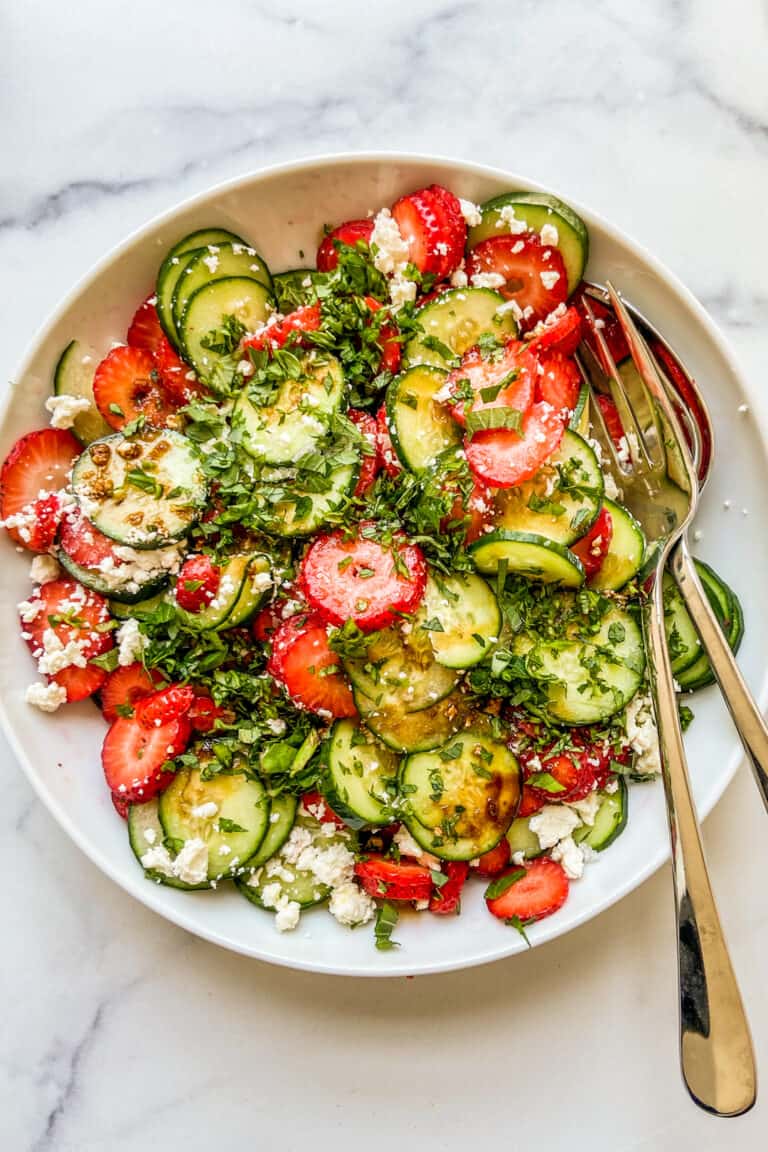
{"x":563,"y":336}
{"x":431,"y":223}
{"x":358,"y":578}
{"x":39,"y":462}
{"x":127,"y":385}
{"x":197,"y":583}
{"x":301,"y":661}
{"x":121,"y":806}
{"x":446,"y":898}
{"x":592,"y":549}
{"x":611,"y":417}
{"x":389,"y":458}
{"x":473,"y":513}
{"x":269,"y":619}
{"x":534,"y":274}
{"x":204,"y":713}
{"x":69,"y":615}
{"x":165,"y":705}
{"x":178,"y":379}
{"x":84,"y":543}
{"x":504,"y":458}
{"x":495,"y":862}
{"x":133,"y":757}
{"x":537,"y":889}
{"x":607,"y":323}
{"x":350,"y":233}
{"x":285,"y":330}
{"x":505,"y":381}
{"x":387,"y":880}
{"x":391,"y":348}
{"x":123,"y":687}
{"x":369,"y":464}
{"x":531,"y":801}
{"x":559,"y":383}
{"x":317,"y":805}
{"x":145,"y":330}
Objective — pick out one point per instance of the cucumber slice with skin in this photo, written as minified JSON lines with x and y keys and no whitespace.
{"x":521,"y":839}
{"x":457,"y":319}
{"x":288,"y":510}
{"x":465,"y":619}
{"x":216,"y":262}
{"x":562,"y":501}
{"x":248,"y":300}
{"x":421,"y":428}
{"x":122,"y":611}
{"x":527,"y":555}
{"x":400,"y":672}
{"x":610,"y":819}
{"x":254,"y":591}
{"x":535,"y":209}
{"x":574,"y":695}
{"x":303,"y":886}
{"x":284,"y":431}
{"x":291,"y":289}
{"x":413,"y":731}
{"x":682,"y":638}
{"x":238,"y":799}
{"x":145,"y":490}
{"x":462,"y":797}
{"x":726,"y":606}
{"x":131,"y":592}
{"x":172,"y":267}
{"x":360,"y":778}
{"x":222,"y":612}
{"x":145,"y":832}
{"x":625,"y":551}
{"x":580,"y":421}
{"x":73,"y":376}
{"x":282,"y":814}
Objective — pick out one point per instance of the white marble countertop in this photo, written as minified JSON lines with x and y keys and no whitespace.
{"x":120,"y":1032}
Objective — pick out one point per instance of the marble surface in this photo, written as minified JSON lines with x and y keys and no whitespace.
{"x":120,"y":1032}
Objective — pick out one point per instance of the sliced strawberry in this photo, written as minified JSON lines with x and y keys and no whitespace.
{"x":535,"y":890}
{"x":127,"y":385}
{"x":431,"y":223}
{"x":301,"y":660}
{"x":389,"y":459}
{"x":504,"y":380}
{"x":563,"y":336}
{"x":317,"y":806}
{"x":357,"y":578}
{"x":531,"y":801}
{"x":592,"y":549}
{"x":84,"y":543}
{"x":559,"y":383}
{"x":534,"y":274}
{"x":133,"y":757}
{"x":391,"y":347}
{"x":121,"y":806}
{"x":369,"y":464}
{"x":197,"y":583}
{"x":475,"y":512}
{"x":504,"y":458}
{"x":349,"y":233}
{"x":493,"y":863}
{"x":145,"y":330}
{"x":34,"y":470}
{"x":611,"y":417}
{"x":123,"y":687}
{"x":446,"y":898}
{"x":269,"y":619}
{"x":388,"y":880}
{"x":204,"y":712}
{"x":178,"y":379}
{"x":607,"y":323}
{"x":286,"y":329}
{"x":164,"y":705}
{"x":71,"y":617}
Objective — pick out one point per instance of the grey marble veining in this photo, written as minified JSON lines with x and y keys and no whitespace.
{"x":119,"y":1032}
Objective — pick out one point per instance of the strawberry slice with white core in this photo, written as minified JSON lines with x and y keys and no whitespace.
{"x":310,"y":672}
{"x":127,"y":385}
{"x":134,"y":757}
{"x":65,"y":627}
{"x":504,"y":458}
{"x":432,"y":226}
{"x":145,"y":330}
{"x":35,"y":470}
{"x":349,"y":233}
{"x":505,"y":379}
{"x":524,"y":270}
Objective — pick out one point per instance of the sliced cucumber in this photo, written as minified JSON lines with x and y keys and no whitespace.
{"x":73,"y":376}
{"x":421,"y":428}
{"x":219,"y":611}
{"x":303,"y":887}
{"x":463,"y":796}
{"x":610,"y":819}
{"x":146,"y":832}
{"x":682,"y":638}
{"x":360,"y":776}
{"x":563,"y":499}
{"x":413,"y":731}
{"x":286,"y":509}
{"x":536,"y":209}
{"x":456,"y":319}
{"x":527,"y":555}
{"x":172,"y":267}
{"x":565,"y":667}
{"x":726,"y":606}
{"x":254,"y":591}
{"x":292,"y":290}
{"x":241,"y":805}
{"x":216,"y":262}
{"x":145,"y":490}
{"x":464,"y":619}
{"x":282,"y":814}
{"x":248,"y":300}
{"x":625,"y":551}
{"x":521,"y":839}
{"x":123,"y":611}
{"x":285,"y":430}
{"x":399,"y":672}
{"x":580,"y":421}
{"x":131,"y":591}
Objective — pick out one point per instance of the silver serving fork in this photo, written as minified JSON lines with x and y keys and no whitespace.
{"x":715,"y":1045}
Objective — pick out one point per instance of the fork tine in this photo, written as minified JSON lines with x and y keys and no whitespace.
{"x":596,"y":413}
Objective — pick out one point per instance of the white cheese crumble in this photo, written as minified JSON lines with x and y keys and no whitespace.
{"x":44,"y":569}
{"x":553,"y":823}
{"x":350,"y":905}
{"x":408,"y":847}
{"x":205,"y":811}
{"x":459,"y":277}
{"x":55,"y":656}
{"x":29,"y":610}
{"x":488,"y":280}
{"x":471,"y":213}
{"x":642,"y":735}
{"x":390,"y":249}
{"x":571,"y":856}
{"x":190,"y":866}
{"x":65,"y":409}
{"x":508,"y":218}
{"x":549,"y":235}
{"x":131,"y":643}
{"x":549,"y":279}
{"x":46,"y":697}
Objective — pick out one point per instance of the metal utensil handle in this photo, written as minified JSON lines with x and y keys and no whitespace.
{"x":715,"y":1045}
{"x":745,"y":713}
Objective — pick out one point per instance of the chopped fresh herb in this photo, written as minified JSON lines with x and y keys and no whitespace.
{"x":500,"y":885}
{"x":386,"y":922}
{"x":546,"y":781}
{"x":227,"y":825}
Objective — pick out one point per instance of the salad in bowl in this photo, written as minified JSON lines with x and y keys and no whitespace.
{"x":335,"y":553}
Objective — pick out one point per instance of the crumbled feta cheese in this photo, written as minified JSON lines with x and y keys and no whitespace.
{"x":191,"y":864}
{"x":642,"y":734}
{"x":508,"y":219}
{"x":471,"y":213}
{"x":131,"y":643}
{"x":205,"y":811}
{"x":350,"y":905}
{"x":587,"y":808}
{"x":549,"y":235}
{"x":408,"y":847}
{"x":553,"y":823}
{"x":488,"y":280}
{"x":390,"y":250}
{"x":287,"y":916}
{"x":549,"y":279}
{"x":46,"y":697}
{"x":65,"y":409}
{"x":150,"y":835}
{"x":401,"y":291}
{"x":276,"y":726}
{"x":55,"y":656}
{"x":571,"y":856}
{"x":518,"y":859}
{"x":459,"y":277}
{"x":44,"y":569}
{"x":612,"y":490}
{"x":29,"y":610}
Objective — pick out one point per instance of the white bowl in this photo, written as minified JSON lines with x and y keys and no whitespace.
{"x":282,"y":211}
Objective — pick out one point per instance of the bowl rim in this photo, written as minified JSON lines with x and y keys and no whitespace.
{"x":548,"y":931}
